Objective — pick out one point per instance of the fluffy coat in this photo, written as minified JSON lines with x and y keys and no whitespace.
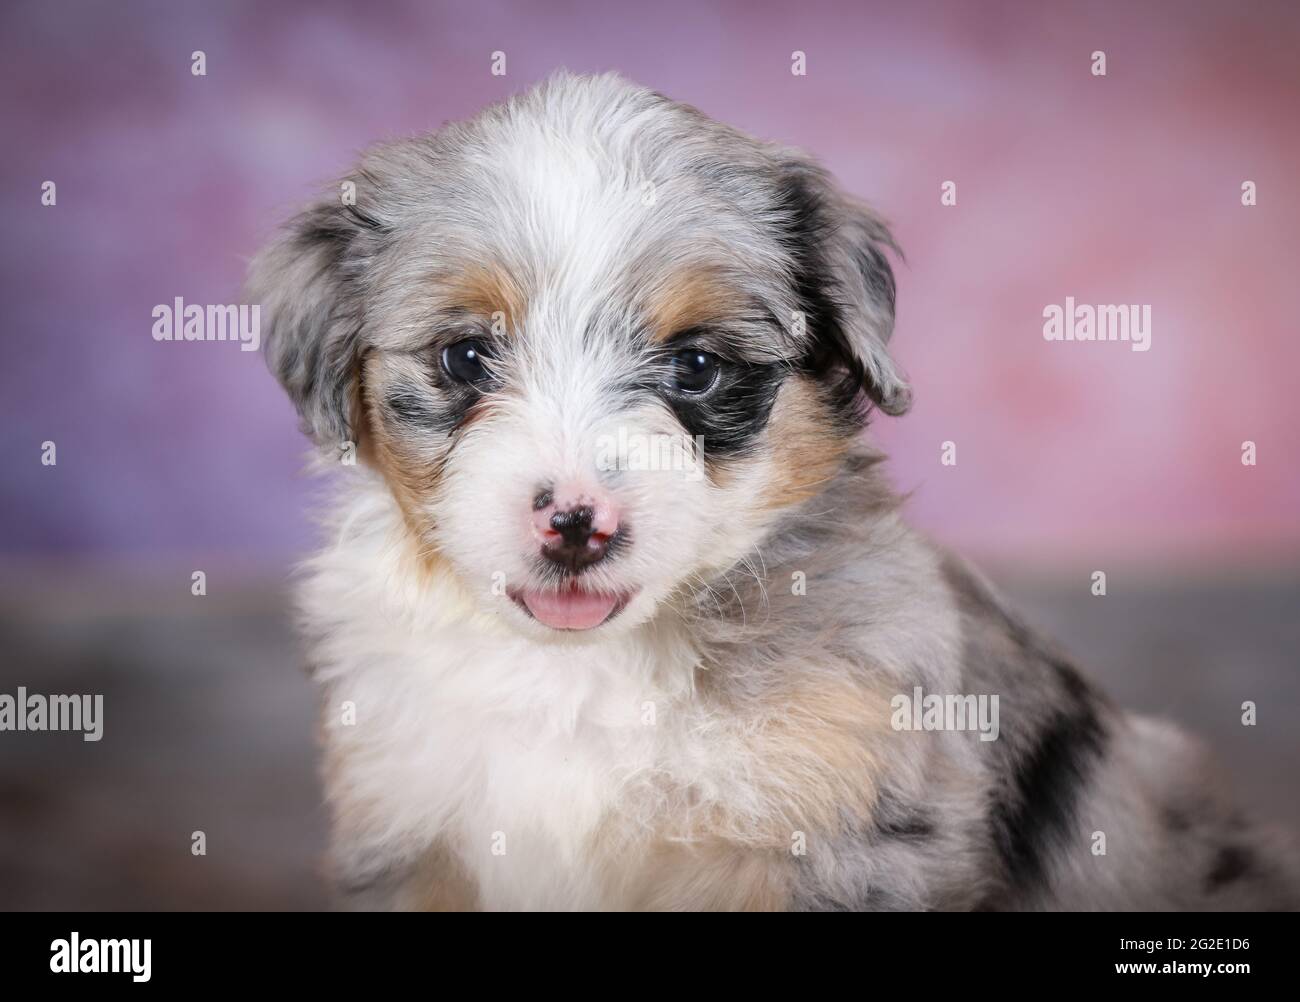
{"x":727,"y":740}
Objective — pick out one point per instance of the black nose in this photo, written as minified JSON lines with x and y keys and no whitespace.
{"x":578,"y":546}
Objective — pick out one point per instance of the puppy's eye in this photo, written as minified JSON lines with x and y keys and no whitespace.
{"x":464,"y":361}
{"x":693,"y":371}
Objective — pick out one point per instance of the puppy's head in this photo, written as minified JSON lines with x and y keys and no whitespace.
{"x":596,"y":343}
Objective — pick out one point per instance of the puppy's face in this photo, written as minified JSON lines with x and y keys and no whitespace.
{"x":596,"y":344}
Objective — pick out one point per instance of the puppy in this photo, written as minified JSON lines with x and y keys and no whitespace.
{"x":618,"y":609}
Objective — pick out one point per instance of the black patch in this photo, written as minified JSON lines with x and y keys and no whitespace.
{"x":802,"y":234}
{"x":831,"y":357}
{"x":732,"y":415}
{"x":1044,"y":763}
{"x":412,"y":407}
{"x":894,"y":819}
{"x":442,"y":411}
{"x":365,"y":219}
{"x":1035,"y":812}
{"x":1232,"y":862}
{"x":327,"y":230}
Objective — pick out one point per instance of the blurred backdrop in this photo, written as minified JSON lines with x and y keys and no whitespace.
{"x":1071,"y":458}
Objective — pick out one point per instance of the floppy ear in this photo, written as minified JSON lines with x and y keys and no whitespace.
{"x":845,"y":282}
{"x":309,"y":282}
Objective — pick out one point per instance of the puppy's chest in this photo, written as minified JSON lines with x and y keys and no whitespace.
{"x":535,"y":770}
{"x":549,"y":817}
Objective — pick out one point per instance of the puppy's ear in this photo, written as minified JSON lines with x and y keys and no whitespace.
{"x":310,"y":283}
{"x":844,"y":281}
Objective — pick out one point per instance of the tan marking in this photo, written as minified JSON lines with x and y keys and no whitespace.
{"x":713,"y":876}
{"x":692,"y":299}
{"x":439,"y":883}
{"x":486,"y":290}
{"x":811,"y":754}
{"x":812,"y":746}
{"x":411,"y":474}
{"x":807,"y":446}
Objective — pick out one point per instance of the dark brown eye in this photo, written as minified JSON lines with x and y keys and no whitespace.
{"x":693,"y":370}
{"x":464,"y":361}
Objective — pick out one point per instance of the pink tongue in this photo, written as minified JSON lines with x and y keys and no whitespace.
{"x":570,"y":610}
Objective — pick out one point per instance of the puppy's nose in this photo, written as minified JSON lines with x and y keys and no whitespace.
{"x":575,"y":526}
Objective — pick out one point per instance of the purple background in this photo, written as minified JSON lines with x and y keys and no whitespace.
{"x":1122,"y":189}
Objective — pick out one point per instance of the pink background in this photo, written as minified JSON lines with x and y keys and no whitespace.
{"x":1122,"y":189}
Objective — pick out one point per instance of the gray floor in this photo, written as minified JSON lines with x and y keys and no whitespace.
{"x":209,"y":726}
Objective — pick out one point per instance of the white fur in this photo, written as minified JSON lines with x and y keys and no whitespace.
{"x":464,"y":728}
